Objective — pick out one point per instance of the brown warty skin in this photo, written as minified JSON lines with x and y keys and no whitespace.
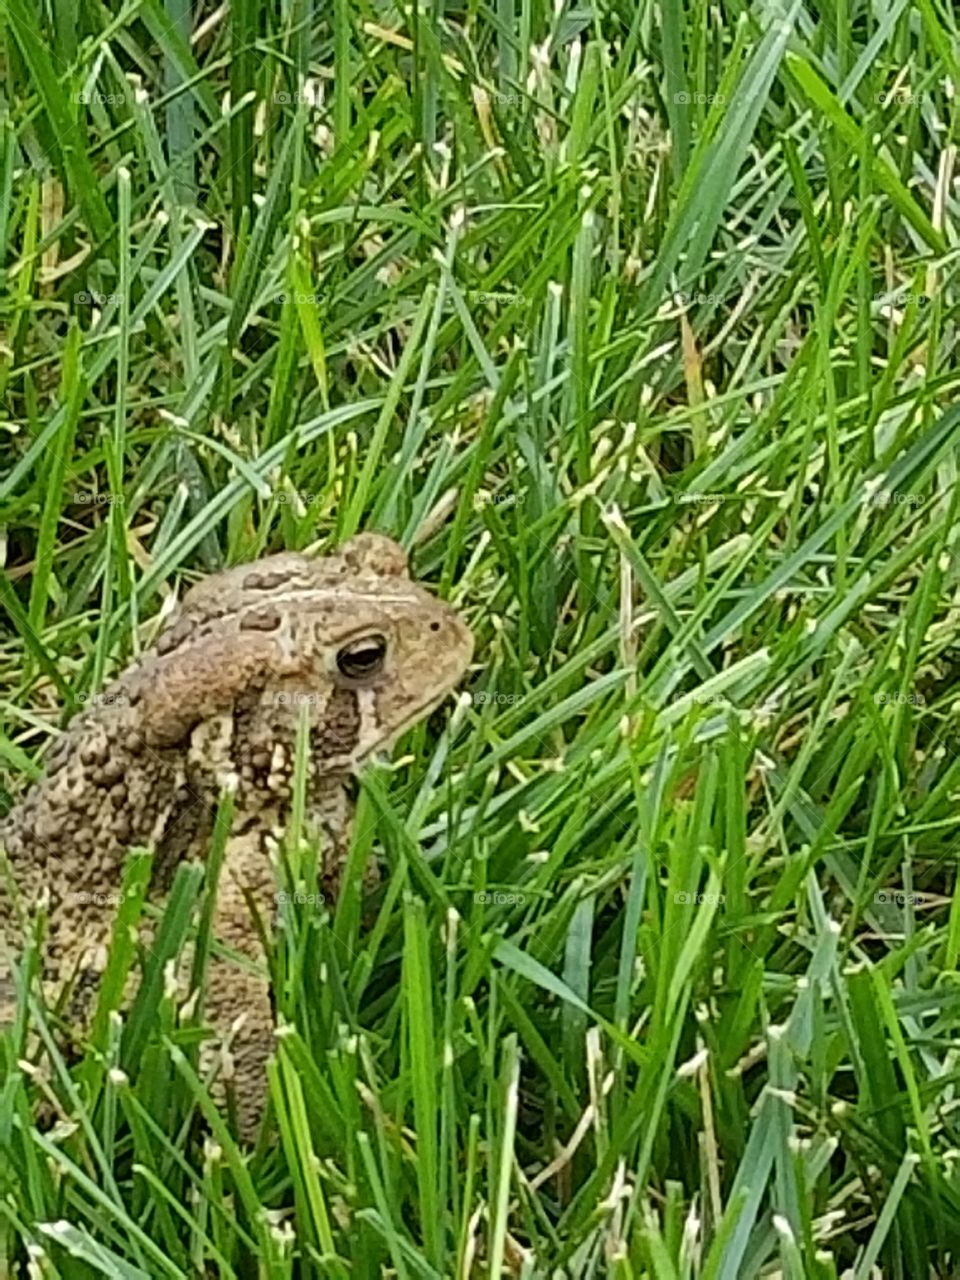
{"x":215,"y":704}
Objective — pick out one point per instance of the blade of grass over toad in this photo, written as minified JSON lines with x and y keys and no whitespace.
{"x":222,"y":824}
{"x":168,"y":940}
{"x":136,"y":876}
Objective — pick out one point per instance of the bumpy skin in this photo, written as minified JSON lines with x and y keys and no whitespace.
{"x":217,"y":703}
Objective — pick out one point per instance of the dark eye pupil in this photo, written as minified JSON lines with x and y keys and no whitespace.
{"x":364,"y":658}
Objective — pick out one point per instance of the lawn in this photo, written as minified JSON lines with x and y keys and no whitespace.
{"x":636,"y":325}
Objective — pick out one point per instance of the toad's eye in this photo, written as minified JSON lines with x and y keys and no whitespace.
{"x":362,"y":659}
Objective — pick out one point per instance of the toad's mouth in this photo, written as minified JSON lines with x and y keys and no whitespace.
{"x":384,"y":744}
{"x":419,"y":713}
{"x":374,"y":743}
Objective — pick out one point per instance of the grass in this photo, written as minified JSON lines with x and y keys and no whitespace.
{"x":637,"y":326}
